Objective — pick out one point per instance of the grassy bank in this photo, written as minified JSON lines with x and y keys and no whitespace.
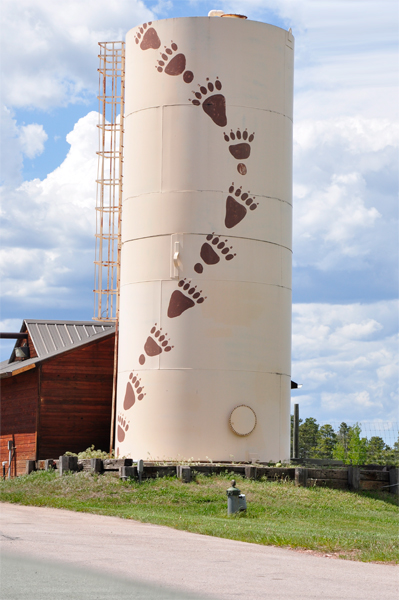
{"x":359,"y":526}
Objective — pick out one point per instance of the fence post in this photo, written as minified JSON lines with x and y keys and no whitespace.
{"x":354,"y":478}
{"x":394,"y":480}
{"x":295,"y":442}
{"x":30,"y":466}
{"x":301,"y":476}
{"x":96,"y":465}
{"x":183,"y":473}
{"x":251,"y":472}
{"x":67,"y":463}
{"x":126,"y":473}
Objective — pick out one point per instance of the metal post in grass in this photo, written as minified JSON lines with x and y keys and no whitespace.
{"x":236,"y":502}
{"x":295,"y":443}
{"x":140,"y":469}
{"x":10,"y":452}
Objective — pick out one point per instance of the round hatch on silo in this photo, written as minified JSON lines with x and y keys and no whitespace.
{"x":242,"y":420}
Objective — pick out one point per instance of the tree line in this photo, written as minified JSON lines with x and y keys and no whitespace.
{"x":346,"y":444}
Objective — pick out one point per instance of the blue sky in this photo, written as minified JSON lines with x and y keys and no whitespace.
{"x":345,"y":313}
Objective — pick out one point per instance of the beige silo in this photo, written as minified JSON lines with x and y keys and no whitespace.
{"x":205,"y":308}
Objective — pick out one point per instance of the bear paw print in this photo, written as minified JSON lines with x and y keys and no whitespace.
{"x":174,"y":65}
{"x":147,"y":37}
{"x":237,"y":206}
{"x":215,"y":105}
{"x":241,"y":148}
{"x":212,"y":250}
{"x":123,"y":426}
{"x":156,"y":343}
{"x":183,"y":299}
{"x":134,"y":390}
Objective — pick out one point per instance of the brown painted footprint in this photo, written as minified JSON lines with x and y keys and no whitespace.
{"x":155,"y":344}
{"x":240,"y":150}
{"x":211,"y":250}
{"x":174,"y":66}
{"x":123,"y":426}
{"x":147,"y":37}
{"x":184,"y":299}
{"x":214,"y":106}
{"x":134,"y":390}
{"x":235,"y":210}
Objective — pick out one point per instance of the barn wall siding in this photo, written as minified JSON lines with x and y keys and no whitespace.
{"x":75,"y":400}
{"x":19,"y":397}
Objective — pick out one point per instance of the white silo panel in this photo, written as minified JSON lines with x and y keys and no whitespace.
{"x":232,"y":336}
{"x":196,"y":212}
{"x":142,"y":154}
{"x":201,"y":163}
{"x":192,"y":413}
{"x":241,"y":332}
{"x":253,"y":67}
{"x":195,"y":159}
{"x":286,"y":224}
{"x":249,"y":334}
{"x":149,"y":259}
{"x":142,"y":302}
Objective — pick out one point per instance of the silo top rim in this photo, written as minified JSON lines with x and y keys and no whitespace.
{"x":241,"y":20}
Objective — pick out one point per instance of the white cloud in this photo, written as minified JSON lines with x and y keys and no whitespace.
{"x":12,"y":325}
{"x":346,"y":357}
{"x":340,"y":220}
{"x":17,"y":142}
{"x":11,"y":153}
{"x":53,"y":46}
{"x":162,"y":7}
{"x":32,"y":138}
{"x":48,"y":227}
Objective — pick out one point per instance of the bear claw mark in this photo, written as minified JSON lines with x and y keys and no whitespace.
{"x":123,"y":426}
{"x":235,"y":211}
{"x":183,"y":300}
{"x":134,"y":390}
{"x":209,"y":253}
{"x":149,"y":37}
{"x":155,"y":344}
{"x":240,"y":150}
{"x":174,"y":66}
{"x":214,"y":106}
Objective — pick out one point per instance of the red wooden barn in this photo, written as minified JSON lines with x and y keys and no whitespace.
{"x":57,"y":396}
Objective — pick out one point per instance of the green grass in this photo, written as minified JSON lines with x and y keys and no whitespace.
{"x":359,"y":526}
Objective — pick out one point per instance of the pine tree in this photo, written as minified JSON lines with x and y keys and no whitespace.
{"x":377,"y":451}
{"x":357,"y":446}
{"x":308,"y":438}
{"x":340,"y":451}
{"x":327,"y":440}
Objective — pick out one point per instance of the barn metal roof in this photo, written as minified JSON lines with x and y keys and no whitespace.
{"x":51,"y":338}
{"x":55,"y":336}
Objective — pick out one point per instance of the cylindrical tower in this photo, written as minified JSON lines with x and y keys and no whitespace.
{"x":205,"y":308}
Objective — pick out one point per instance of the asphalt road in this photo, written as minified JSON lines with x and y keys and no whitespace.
{"x":56,"y":554}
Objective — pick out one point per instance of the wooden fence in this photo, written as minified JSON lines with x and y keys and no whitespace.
{"x":355,"y":478}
